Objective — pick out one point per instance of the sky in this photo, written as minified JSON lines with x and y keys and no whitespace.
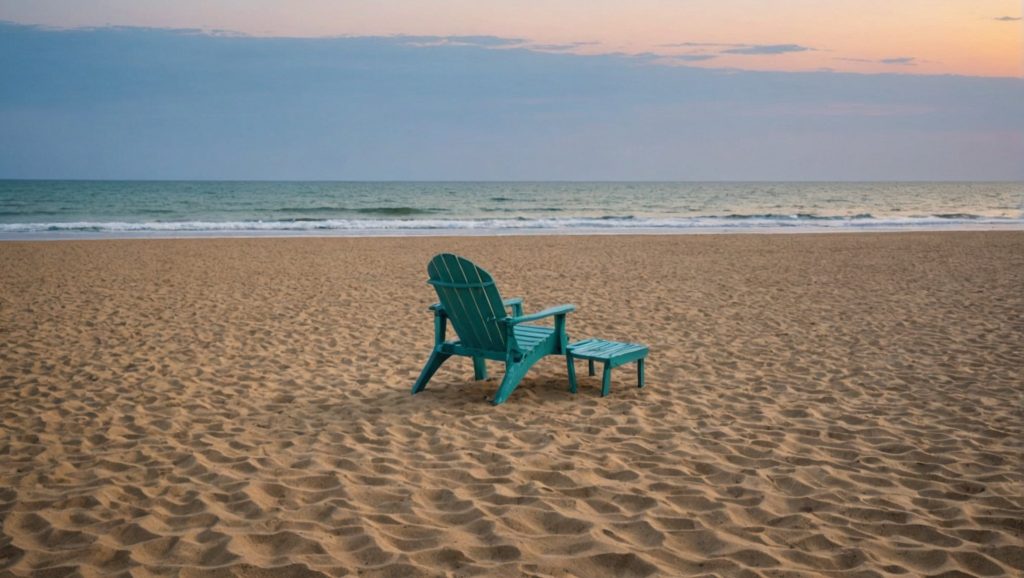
{"x":525,"y":90}
{"x":967,"y":37}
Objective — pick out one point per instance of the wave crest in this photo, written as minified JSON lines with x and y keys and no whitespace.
{"x":606,"y":223}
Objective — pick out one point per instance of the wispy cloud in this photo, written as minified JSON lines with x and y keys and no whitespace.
{"x":759,"y":49}
{"x":896,"y":61}
{"x":695,"y":57}
{"x":740,"y":48}
{"x":563,"y":47}
{"x":704,"y":51}
{"x":477,"y":41}
{"x":702,"y":45}
{"x":1007,"y":18}
{"x":494,"y":43}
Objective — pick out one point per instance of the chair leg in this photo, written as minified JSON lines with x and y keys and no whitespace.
{"x":479,"y":368}
{"x":572,"y":373}
{"x":590,"y":367}
{"x":434,"y":362}
{"x":514,"y":373}
{"x":606,"y":379}
{"x":640,"y":372}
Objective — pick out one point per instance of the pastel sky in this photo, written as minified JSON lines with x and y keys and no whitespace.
{"x":460,"y":90}
{"x":967,"y":37}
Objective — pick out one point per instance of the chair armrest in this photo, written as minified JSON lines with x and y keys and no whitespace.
{"x":516,"y":304}
{"x":440,"y":323}
{"x":549,"y":312}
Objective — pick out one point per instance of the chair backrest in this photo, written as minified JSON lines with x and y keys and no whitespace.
{"x":471,"y":301}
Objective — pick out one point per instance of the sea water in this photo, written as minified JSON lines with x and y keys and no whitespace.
{"x":75,"y":209}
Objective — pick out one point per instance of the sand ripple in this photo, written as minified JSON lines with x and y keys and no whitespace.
{"x":845,"y":405}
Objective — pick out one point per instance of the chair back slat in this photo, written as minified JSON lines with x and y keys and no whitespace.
{"x":470,"y":299}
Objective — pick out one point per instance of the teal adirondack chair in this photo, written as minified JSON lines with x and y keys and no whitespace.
{"x":470,"y":300}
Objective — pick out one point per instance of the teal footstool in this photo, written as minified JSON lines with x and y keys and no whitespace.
{"x":612,"y":353}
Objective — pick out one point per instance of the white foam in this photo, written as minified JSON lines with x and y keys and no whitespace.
{"x":497,"y":225}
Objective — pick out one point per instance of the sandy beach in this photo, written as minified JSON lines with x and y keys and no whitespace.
{"x":841,"y":404}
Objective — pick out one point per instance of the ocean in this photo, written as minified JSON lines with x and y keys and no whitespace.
{"x":105,"y":209}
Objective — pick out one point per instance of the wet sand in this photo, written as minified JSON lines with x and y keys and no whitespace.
{"x":842,"y":404}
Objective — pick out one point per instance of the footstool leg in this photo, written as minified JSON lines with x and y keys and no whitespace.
{"x":640,"y":372}
{"x":590,"y":365}
{"x":606,"y":379}
{"x":572,"y":373}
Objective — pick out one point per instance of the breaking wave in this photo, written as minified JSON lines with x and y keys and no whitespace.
{"x":568,"y":224}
